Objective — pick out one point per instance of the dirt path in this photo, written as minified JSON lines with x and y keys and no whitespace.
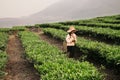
{"x":51,"y":41}
{"x":18,"y":68}
{"x":110,"y":74}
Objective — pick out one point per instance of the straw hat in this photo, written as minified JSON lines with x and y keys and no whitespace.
{"x":71,"y":29}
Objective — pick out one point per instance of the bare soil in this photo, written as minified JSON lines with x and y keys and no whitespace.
{"x":18,"y":68}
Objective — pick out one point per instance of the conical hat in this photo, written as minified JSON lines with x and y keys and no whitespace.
{"x":71,"y":29}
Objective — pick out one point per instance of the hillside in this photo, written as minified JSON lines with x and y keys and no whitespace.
{"x":69,"y":10}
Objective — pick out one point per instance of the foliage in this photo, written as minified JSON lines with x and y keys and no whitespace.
{"x":105,"y":34}
{"x":108,"y":54}
{"x":53,"y":64}
{"x":3,"y":56}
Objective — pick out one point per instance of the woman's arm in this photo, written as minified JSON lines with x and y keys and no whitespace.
{"x":68,"y":39}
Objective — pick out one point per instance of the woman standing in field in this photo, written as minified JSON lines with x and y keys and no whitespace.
{"x":71,"y":40}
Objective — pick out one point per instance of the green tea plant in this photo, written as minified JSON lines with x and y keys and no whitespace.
{"x":105,"y":34}
{"x":53,"y":64}
{"x":3,"y":61}
{"x":3,"y":40}
{"x":3,"y":56}
{"x":105,"y":53}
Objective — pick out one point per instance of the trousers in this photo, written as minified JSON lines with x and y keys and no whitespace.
{"x":71,"y":51}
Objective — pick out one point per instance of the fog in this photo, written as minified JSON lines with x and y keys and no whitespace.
{"x":63,"y":10}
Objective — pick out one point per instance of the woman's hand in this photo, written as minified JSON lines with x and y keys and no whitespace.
{"x":73,"y":40}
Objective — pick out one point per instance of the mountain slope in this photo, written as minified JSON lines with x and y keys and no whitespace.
{"x":71,"y":10}
{"x":80,"y":9}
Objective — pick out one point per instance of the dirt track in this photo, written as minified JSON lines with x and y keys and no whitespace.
{"x":18,"y":68}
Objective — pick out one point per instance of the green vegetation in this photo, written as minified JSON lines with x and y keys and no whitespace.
{"x":106,"y":20}
{"x":15,"y":28}
{"x":53,"y":64}
{"x":3,"y":61}
{"x":104,"y":25}
{"x":3,"y":56}
{"x":105,"y":53}
{"x":4,"y":29}
{"x":18,"y":28}
{"x":3,"y":40}
{"x":105,"y":34}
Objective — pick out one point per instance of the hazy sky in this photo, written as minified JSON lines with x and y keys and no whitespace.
{"x":20,"y":8}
